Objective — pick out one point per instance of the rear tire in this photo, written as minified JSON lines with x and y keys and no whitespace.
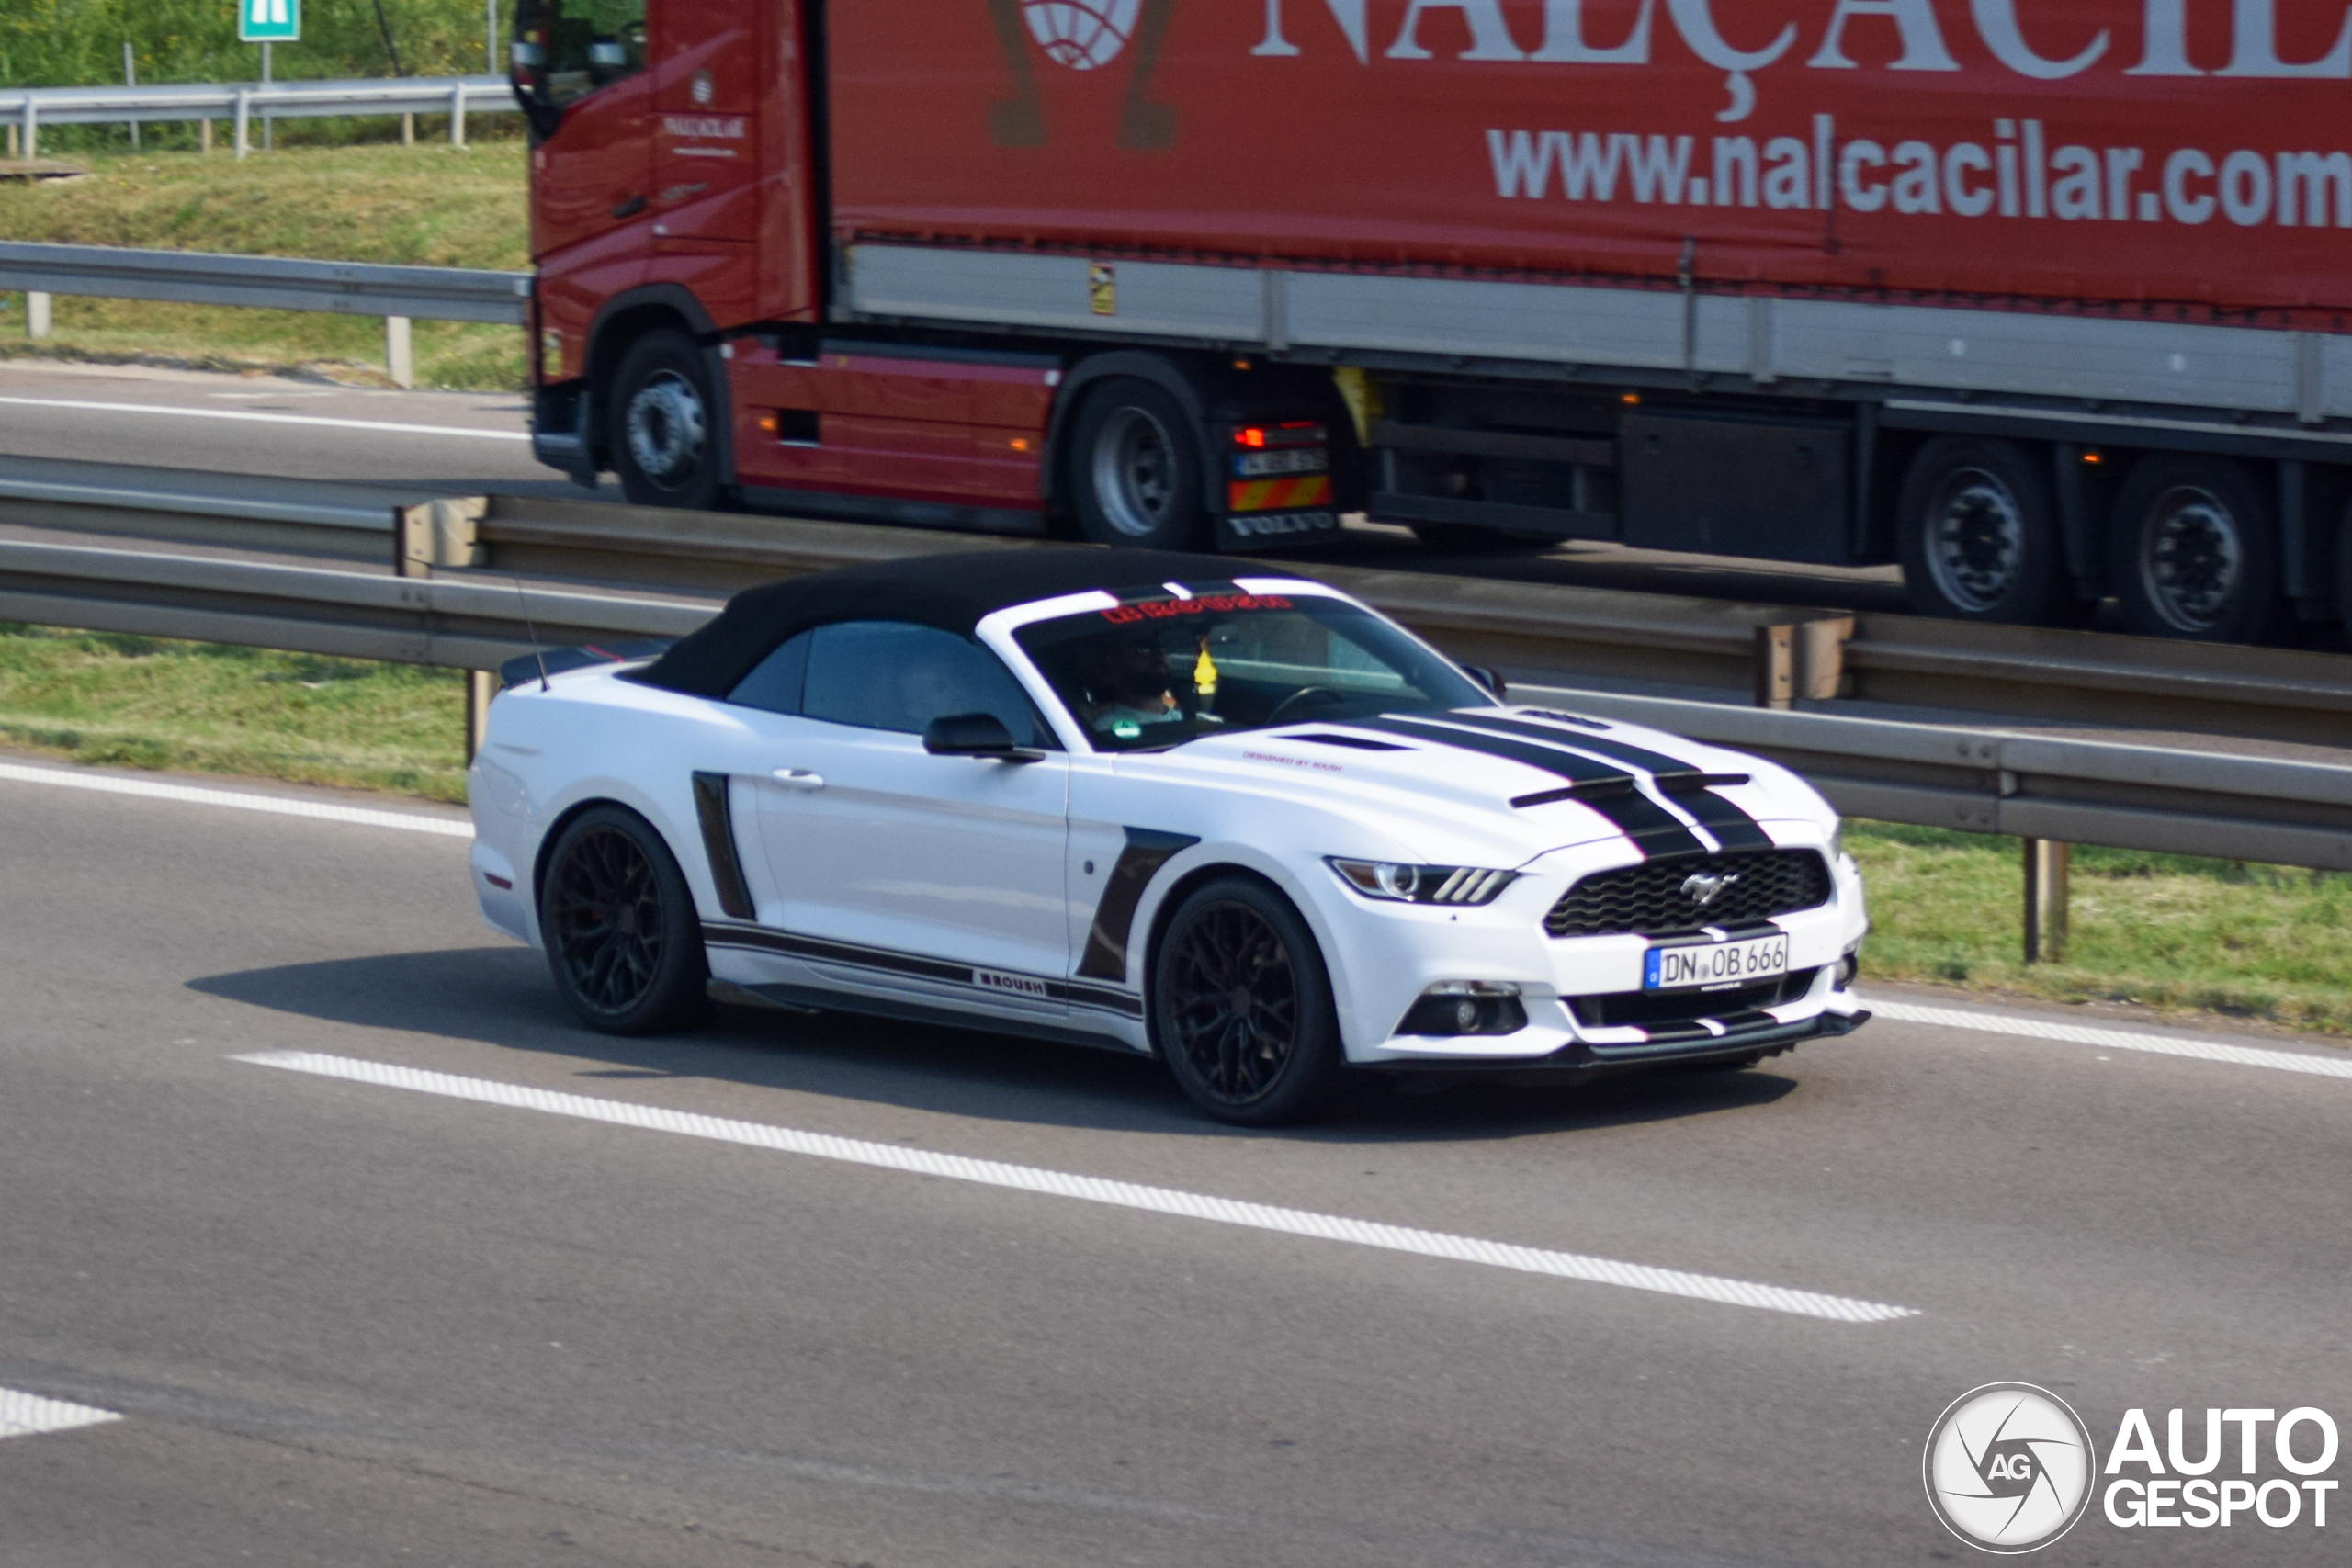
{"x":1978,"y":534}
{"x":2195,"y":551}
{"x":1138,"y":475}
{"x":664,"y":424}
{"x":623,"y":939}
{"x":1241,"y":1006}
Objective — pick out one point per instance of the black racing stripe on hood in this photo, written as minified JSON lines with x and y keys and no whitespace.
{"x":1731,"y":825}
{"x":1653,"y":829}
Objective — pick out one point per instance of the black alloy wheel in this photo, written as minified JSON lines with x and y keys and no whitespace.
{"x":2196,"y":554}
{"x":1241,"y":1006}
{"x":622,"y":937}
{"x":665,"y":424}
{"x":1978,"y":534}
{"x":1137,"y":472}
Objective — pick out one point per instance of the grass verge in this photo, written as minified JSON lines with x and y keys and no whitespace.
{"x":2165,"y":932}
{"x":423,"y":205}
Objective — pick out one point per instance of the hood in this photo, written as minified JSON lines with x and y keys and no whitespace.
{"x":1509,"y":784}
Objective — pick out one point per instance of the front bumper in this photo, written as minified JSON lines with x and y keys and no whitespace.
{"x":1579,"y":1059}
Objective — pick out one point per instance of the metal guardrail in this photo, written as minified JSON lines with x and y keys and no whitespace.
{"x":1982,"y":780}
{"x":1773,"y":654}
{"x":28,"y":108}
{"x":280,"y":283}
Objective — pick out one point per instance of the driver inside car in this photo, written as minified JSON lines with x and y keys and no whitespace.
{"x":1127,"y":688}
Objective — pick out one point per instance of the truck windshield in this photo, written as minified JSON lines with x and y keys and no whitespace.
{"x":1156,"y":673}
{"x":565,"y":49}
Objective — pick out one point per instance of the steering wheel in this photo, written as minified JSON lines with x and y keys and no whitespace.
{"x":1301,"y":697}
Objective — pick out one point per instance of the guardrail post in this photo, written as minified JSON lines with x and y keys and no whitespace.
{"x":32,"y":128}
{"x":244,"y":124}
{"x":439,"y":533}
{"x":400,"y":363}
{"x":407,"y":129}
{"x":1803,"y":659}
{"x":204,"y":137}
{"x":458,"y":114}
{"x":14,"y":136}
{"x":482,"y":685}
{"x":36,"y":315}
{"x":2046,"y":867}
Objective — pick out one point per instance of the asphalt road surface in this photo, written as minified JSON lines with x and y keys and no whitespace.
{"x":356,"y":1314}
{"x":467,"y":443}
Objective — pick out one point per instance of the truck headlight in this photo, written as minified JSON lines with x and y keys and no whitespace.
{"x":1422,"y":883}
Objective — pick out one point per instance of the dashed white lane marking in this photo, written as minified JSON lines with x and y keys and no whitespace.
{"x":2116,"y":1039}
{"x":26,"y":1415}
{"x":318,"y":811}
{"x":1094,"y":1189}
{"x":255,"y":416}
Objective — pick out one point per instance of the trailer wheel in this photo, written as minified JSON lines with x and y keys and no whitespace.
{"x":1979,"y":534}
{"x":1136,"y":470}
{"x":2195,"y":551}
{"x":664,"y":431}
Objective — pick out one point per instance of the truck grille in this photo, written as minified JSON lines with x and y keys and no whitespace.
{"x":1650,"y":899}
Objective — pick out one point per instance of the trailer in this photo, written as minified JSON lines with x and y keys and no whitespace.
{"x":2048,"y":308}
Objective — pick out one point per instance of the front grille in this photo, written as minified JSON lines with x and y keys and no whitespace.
{"x":1688,"y":1007}
{"x":1650,"y":899}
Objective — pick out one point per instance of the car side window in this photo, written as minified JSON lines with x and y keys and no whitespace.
{"x":774,"y":684}
{"x":899,"y":676}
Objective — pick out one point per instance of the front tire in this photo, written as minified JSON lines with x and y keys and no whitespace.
{"x":2195,"y":553}
{"x":665,"y":424}
{"x":1979,"y":535}
{"x":623,"y":939}
{"x":1241,"y":1006}
{"x":1138,"y":475}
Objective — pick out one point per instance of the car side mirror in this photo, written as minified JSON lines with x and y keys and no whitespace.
{"x":974,"y":735}
{"x":1489,"y":677}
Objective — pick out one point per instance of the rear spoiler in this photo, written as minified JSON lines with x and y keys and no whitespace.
{"x":556,"y":660}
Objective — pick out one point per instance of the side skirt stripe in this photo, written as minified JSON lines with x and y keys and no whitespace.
{"x":881,"y":960}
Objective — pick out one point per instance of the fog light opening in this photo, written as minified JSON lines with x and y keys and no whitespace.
{"x":1848,"y":967}
{"x":1454,"y":1007}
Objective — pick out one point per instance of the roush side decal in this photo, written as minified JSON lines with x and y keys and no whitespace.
{"x":1106,"y":941}
{"x":887,"y":961}
{"x":1651,"y":827}
{"x":1731,"y":826}
{"x":711,"y":806}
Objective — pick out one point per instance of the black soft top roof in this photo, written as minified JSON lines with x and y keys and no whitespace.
{"x":955,"y":592}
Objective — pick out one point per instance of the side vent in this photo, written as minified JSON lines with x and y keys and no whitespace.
{"x":718,"y":844}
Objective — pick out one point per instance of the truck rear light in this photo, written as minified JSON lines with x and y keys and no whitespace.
{"x":1292,"y":432}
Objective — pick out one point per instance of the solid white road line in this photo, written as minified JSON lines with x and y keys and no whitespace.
{"x":1093,"y":1190}
{"x":26,"y":1415}
{"x":2116,"y":1039}
{"x":256,"y":417}
{"x":156,"y":789}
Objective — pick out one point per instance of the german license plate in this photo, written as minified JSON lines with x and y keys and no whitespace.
{"x":1696,"y":964}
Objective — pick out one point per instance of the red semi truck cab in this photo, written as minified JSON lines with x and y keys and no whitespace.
{"x":2048,"y":304}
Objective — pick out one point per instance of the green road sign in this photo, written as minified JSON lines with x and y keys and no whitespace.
{"x":269,"y":21}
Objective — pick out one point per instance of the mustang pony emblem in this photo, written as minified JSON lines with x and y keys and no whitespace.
{"x":1703,"y":887}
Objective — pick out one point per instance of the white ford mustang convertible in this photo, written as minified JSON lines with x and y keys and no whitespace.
{"x":1243,"y":823}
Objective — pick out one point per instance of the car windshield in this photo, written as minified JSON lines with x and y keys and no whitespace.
{"x":1155,"y":673}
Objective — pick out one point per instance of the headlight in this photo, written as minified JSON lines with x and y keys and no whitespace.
{"x":1423,"y":883}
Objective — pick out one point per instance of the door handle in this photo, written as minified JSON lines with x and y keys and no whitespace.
{"x":630,"y":207}
{"x":798,"y":778}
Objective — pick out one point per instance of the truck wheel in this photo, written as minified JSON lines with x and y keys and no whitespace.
{"x":2195,"y":551}
{"x":1979,"y":537}
{"x":1241,"y":1006}
{"x":1136,"y":470}
{"x":664,"y":430}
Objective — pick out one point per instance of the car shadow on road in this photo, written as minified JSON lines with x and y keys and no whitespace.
{"x":501,"y":997}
